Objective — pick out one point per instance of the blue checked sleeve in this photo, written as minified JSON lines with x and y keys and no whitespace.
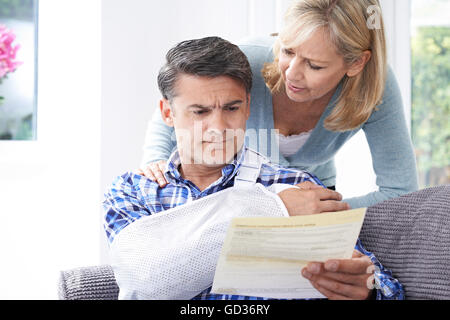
{"x":273,"y":173}
{"x":123,"y":205}
{"x":387,"y":287}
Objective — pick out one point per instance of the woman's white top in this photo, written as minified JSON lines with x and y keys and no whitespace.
{"x":290,"y":145}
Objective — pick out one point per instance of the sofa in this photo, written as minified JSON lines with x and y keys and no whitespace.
{"x":410,"y":235}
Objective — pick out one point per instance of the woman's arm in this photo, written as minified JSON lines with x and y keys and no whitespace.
{"x":391,"y":148}
{"x":159,"y":140}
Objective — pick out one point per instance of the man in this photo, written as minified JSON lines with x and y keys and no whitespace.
{"x":206,"y":85}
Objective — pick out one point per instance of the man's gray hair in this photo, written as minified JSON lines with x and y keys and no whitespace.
{"x":207,"y":57}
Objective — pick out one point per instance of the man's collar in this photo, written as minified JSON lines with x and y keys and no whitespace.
{"x":229,"y":171}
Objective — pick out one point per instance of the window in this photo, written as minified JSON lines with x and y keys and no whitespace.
{"x":430,"y":112}
{"x":18,"y":42}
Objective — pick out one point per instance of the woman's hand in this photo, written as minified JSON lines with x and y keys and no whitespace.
{"x":155,"y":171}
{"x":342,"y":279}
{"x":309,"y":198}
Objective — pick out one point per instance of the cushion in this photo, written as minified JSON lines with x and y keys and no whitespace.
{"x":410,"y":235}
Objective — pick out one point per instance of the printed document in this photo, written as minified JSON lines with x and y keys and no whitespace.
{"x":263,"y":257}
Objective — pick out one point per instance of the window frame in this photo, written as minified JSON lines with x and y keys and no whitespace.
{"x":34,"y":129}
{"x":397,"y":20}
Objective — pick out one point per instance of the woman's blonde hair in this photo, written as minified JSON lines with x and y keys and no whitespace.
{"x":354,"y":26}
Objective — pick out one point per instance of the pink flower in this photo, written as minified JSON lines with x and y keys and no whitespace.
{"x":7,"y":52}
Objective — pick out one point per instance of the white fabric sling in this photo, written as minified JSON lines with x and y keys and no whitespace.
{"x":173,"y":254}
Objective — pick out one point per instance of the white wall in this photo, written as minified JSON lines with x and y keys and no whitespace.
{"x":49,"y":189}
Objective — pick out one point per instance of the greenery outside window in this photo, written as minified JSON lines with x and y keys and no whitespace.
{"x":430,"y":113}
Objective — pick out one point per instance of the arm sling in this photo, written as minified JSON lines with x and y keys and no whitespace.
{"x":173,"y":254}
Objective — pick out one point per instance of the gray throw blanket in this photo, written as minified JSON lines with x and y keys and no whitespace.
{"x":410,"y":235}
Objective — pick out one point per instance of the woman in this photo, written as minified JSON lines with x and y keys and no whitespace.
{"x":324,"y":79}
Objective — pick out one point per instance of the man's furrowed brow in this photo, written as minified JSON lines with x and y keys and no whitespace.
{"x":228,"y":104}
{"x":195,"y":105}
{"x":232,"y":103}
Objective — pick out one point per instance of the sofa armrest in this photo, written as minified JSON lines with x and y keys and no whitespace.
{"x":88,"y":283}
{"x":410,"y":235}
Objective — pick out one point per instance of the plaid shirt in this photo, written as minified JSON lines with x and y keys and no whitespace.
{"x":133,"y":196}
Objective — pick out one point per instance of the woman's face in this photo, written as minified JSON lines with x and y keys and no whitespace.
{"x":311,"y":70}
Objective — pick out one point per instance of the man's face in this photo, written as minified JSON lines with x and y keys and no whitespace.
{"x":209,"y":116}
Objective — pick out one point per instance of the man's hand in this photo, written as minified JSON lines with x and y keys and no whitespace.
{"x":311,"y":199}
{"x":348,"y":279}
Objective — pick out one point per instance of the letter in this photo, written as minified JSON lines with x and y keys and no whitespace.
{"x":227,"y":309}
{"x":251,"y":139}
{"x":235,"y":139}
{"x":373,"y":22}
{"x":370,"y":282}
{"x":202,"y":310}
{"x":274,"y":143}
{"x":183,"y":310}
{"x":193,"y":310}
{"x":274,"y":146}
{"x":198,"y":136}
{"x":258,"y":309}
{"x":184,"y":143}
{"x":266,"y":309}
{"x":262,"y":141}
{"x":238,"y":308}
{"x":210,"y":311}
